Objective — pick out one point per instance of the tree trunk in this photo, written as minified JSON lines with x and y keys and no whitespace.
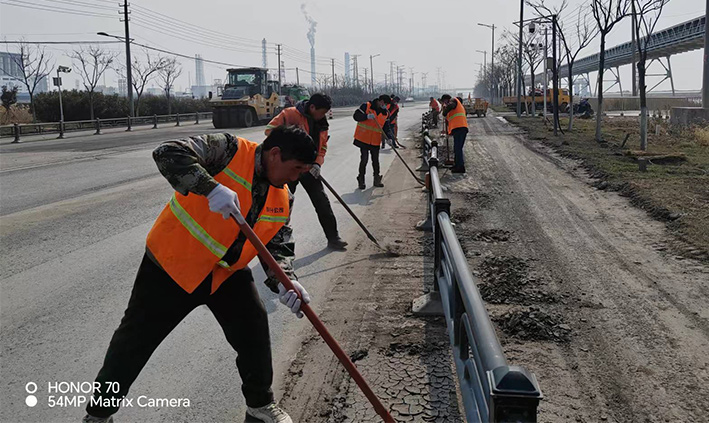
{"x":601,"y":64}
{"x":34,"y":113}
{"x":643,"y":105}
{"x":169,"y":105}
{"x":91,"y":104}
{"x":137,"y":105}
{"x":571,"y":96}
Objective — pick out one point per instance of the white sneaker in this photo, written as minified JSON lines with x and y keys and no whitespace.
{"x":270,"y":413}
{"x":91,"y":419}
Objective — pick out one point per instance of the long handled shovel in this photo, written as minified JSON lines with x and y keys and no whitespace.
{"x":349,"y":210}
{"x":316,"y":322}
{"x":421,"y":182}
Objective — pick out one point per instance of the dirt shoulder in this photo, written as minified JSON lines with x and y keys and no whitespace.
{"x":368,"y":310}
{"x":674,"y":187}
{"x":581,"y":284}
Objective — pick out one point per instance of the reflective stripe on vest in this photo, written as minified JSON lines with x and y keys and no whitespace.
{"x":456,"y":117}
{"x":190,"y":242}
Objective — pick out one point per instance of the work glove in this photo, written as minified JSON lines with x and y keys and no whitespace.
{"x":315,"y":170}
{"x":371,"y":116}
{"x":290,"y":298}
{"x":225,"y":201}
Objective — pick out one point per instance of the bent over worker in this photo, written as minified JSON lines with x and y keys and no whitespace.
{"x":454,"y":111}
{"x":196,"y":255}
{"x":435,"y":111}
{"x":372,"y":122}
{"x":310,"y":116}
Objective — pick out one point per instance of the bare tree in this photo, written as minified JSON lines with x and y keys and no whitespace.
{"x":33,"y":63}
{"x":91,"y":63}
{"x":607,"y":14}
{"x":647,"y":13}
{"x":170,"y":71}
{"x":584,"y":35}
{"x":8,"y":98}
{"x":144,"y":72}
{"x":532,"y":56}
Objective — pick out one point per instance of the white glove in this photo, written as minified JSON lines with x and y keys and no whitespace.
{"x":223,"y":200}
{"x":315,"y":170}
{"x":290,"y":298}
{"x":371,"y":116}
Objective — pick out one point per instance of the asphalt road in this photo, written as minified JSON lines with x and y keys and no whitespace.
{"x":74,"y":216}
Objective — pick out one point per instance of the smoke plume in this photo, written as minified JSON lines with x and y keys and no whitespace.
{"x":312,"y":25}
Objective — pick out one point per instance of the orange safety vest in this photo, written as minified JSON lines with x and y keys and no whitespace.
{"x":456,"y":117}
{"x":189,"y":241}
{"x":367,"y":131}
{"x":392,"y":108}
{"x":291,"y":116}
{"x":434,"y":105}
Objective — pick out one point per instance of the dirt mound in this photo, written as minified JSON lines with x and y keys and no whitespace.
{"x":506,"y":281}
{"x":491,"y":235}
{"x":533,"y":324}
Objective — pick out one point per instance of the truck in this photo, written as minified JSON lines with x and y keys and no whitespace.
{"x":248,"y":98}
{"x":293,"y":93}
{"x":564,"y":100}
{"x":475,"y":106}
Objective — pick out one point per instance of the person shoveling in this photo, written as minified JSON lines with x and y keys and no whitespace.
{"x":196,"y":254}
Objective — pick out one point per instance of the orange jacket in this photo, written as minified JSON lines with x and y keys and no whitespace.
{"x":368,"y":131}
{"x":293,"y":116}
{"x":456,"y":117}
{"x":189,"y":241}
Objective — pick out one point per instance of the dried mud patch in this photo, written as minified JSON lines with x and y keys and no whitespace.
{"x":506,"y":280}
{"x":534,"y":324}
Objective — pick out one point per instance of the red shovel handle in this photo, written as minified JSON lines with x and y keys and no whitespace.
{"x":315,"y":320}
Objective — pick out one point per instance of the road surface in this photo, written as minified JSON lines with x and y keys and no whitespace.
{"x":75,"y":214}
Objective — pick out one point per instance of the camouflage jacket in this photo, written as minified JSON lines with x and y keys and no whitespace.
{"x":189,"y":165}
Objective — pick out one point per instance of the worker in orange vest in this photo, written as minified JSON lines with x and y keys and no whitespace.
{"x":310,"y":116}
{"x":196,"y":256}
{"x":393,"y":109}
{"x":372,"y":123}
{"x":454,"y":112}
{"x":435,"y":111}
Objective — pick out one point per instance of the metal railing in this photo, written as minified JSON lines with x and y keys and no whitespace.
{"x":96,"y":125}
{"x":491,"y":389}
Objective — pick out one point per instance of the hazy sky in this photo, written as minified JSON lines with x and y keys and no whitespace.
{"x":418,"y":34}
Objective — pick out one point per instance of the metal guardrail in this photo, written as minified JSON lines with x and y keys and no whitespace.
{"x":491,"y":389}
{"x":18,"y":130}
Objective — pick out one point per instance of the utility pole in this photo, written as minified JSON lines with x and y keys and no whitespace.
{"x":129,"y":70}
{"x":391,"y":75}
{"x":423,"y":81}
{"x":485,"y":73}
{"x":333,"y":73}
{"x":411,"y":79}
{"x":279,"y":68}
{"x":264,"y":56}
{"x":635,"y":48}
{"x":555,"y":85}
{"x":519,"y":61}
{"x":365,"y":79}
{"x":705,"y":81}
{"x":546,"y":71}
{"x":297,"y":77}
{"x":386,"y":83}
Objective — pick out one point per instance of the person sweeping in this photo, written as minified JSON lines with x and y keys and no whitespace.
{"x":371,"y":118}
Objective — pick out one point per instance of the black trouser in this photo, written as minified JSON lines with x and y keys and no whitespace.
{"x":158,"y":304}
{"x":316,"y":191}
{"x":365,"y":150}
{"x":435,"y":117}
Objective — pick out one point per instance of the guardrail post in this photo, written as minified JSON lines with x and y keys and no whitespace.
{"x":16,"y":130}
{"x":98,"y":127}
{"x":514,"y":394}
{"x":196,"y":118}
{"x":61,"y":130}
{"x":155,"y":121}
{"x":130,"y":128}
{"x":177,"y":118}
{"x":424,"y":163}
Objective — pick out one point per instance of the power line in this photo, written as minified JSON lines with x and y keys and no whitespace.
{"x":19,"y":3}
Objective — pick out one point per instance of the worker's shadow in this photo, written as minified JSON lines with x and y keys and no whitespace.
{"x":359,"y":197}
{"x":301,"y":262}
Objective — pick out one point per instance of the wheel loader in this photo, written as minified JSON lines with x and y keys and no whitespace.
{"x":249,"y":98}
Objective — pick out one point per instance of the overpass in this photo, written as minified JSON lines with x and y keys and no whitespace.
{"x":677,"y":39}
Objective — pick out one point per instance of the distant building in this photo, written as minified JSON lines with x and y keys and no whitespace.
{"x":106,"y":90}
{"x":122,"y":87}
{"x":154,"y":91}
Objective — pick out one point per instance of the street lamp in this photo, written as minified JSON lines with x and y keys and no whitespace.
{"x":487,"y":80}
{"x":492,"y":61}
{"x":371,"y":67}
{"x":58,"y":84}
{"x":129,"y":73}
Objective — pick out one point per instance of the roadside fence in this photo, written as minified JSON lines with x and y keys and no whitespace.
{"x":96,"y":125}
{"x":491,"y":389}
